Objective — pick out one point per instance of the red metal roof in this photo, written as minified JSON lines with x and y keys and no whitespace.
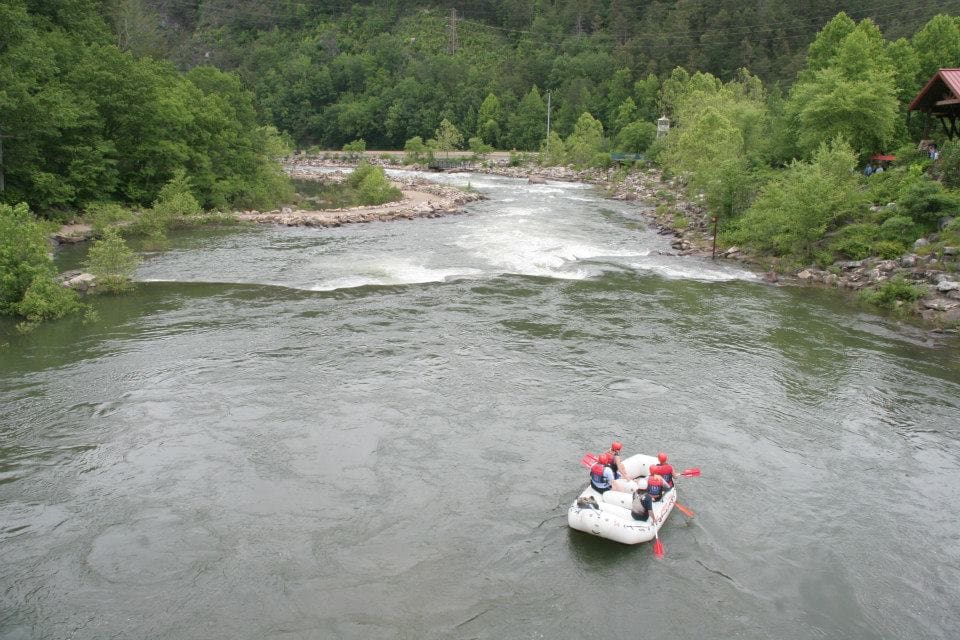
{"x":946,"y":80}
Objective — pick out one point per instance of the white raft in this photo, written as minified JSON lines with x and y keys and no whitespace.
{"x":611,"y":517}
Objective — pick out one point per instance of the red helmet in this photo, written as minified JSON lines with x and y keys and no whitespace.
{"x":597,"y":469}
{"x":616,"y":446}
{"x":655,"y":480}
{"x":606,"y":458}
{"x":662,"y":457}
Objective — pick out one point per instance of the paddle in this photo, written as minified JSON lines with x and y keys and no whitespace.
{"x":657,"y":545}
{"x":588,"y":460}
{"x":684,"y":510}
{"x":691,"y":473}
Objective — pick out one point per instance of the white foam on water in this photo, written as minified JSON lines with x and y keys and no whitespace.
{"x":688,"y":268}
{"x":525,"y":250}
{"x":395,"y":272}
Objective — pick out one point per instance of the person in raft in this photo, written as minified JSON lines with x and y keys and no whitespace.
{"x":601,"y":475}
{"x":603,"y":478}
{"x":656,"y":487}
{"x":642,"y":506}
{"x":664,"y":470}
{"x":618,"y":469}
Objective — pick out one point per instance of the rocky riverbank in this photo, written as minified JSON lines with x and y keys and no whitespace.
{"x":421,"y":199}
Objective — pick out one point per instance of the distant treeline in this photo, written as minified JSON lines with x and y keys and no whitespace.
{"x":84,"y":121}
{"x":329,"y":72}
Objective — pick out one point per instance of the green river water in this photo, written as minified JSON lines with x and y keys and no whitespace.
{"x":374,"y":431}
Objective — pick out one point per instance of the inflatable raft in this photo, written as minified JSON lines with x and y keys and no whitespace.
{"x":608,"y":514}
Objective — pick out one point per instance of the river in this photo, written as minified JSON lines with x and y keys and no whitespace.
{"x":374,"y":431}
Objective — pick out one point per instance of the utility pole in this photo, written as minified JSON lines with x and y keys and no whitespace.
{"x":453,"y":45}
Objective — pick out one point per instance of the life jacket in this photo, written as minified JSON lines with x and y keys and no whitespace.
{"x":655,"y":488}
{"x":598,"y":478}
{"x":665,"y":471}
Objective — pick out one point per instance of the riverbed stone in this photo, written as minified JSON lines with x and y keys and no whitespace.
{"x":81,"y":282}
{"x":921,"y":242}
{"x":947,"y":285}
{"x":848,"y":264}
{"x":887,"y":265}
{"x":939,"y":304}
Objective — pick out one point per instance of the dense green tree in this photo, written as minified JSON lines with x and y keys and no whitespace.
{"x":626,"y":114}
{"x":554,"y":151}
{"x":853,"y":96}
{"x":636,"y":137}
{"x":448,"y":137}
{"x":415,"y":151}
{"x":618,"y":90}
{"x":722,"y":139}
{"x":27,"y":286}
{"x":490,"y":120}
{"x":112,"y":262}
{"x":938,"y":45}
{"x":671,"y":89}
{"x":795,"y":209}
{"x":823,"y":49}
{"x":528,"y":123}
{"x":646,"y":96}
{"x":585,"y":141}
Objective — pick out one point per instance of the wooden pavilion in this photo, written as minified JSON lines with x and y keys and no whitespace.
{"x":940,"y":98}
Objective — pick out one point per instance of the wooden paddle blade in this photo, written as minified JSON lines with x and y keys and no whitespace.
{"x":684,"y":510}
{"x":658,"y":547}
{"x":691,"y":473}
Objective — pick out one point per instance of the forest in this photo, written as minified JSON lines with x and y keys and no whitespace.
{"x":112,"y":101}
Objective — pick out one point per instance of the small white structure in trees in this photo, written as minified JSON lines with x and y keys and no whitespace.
{"x":663,"y":126}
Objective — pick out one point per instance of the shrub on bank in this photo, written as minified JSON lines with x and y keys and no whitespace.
{"x":376,"y":189}
{"x":27,"y":274}
{"x":888,"y":249}
{"x":926,"y":202}
{"x":103,"y":215}
{"x":892,"y":292}
{"x":854,"y":241}
{"x":416,"y":152}
{"x":112,"y":262}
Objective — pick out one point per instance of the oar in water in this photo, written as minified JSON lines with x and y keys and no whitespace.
{"x":684,"y":510}
{"x":691,"y":473}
